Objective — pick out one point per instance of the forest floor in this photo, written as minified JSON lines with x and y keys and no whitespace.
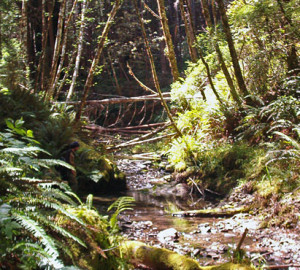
{"x":209,"y":240}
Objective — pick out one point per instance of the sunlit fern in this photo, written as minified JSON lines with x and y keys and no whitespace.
{"x":120,"y":205}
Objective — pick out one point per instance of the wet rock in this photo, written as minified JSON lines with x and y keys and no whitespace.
{"x":168,"y":235}
{"x":181,"y":190}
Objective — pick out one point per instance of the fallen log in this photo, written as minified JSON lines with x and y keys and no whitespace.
{"x":119,"y":100}
{"x":215,"y":212}
{"x":139,"y":253}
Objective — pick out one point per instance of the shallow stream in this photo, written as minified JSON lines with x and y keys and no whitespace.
{"x":209,"y":240}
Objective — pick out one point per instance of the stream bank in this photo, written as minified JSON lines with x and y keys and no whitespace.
{"x":208,"y":240}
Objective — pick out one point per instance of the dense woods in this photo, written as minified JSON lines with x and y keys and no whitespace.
{"x":225,"y":75}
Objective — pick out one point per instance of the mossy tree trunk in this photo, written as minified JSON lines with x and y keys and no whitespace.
{"x":164,"y":259}
{"x":233,"y":54}
{"x":189,"y":32}
{"x":153,"y":69}
{"x":168,"y":38}
{"x":209,"y":24}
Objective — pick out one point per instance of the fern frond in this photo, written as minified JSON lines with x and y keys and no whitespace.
{"x":58,"y":194}
{"x":24,"y":150}
{"x":38,"y":232}
{"x":58,"y":229}
{"x":290,"y":140}
{"x":61,"y":209}
{"x":75,"y":196}
{"x":121,"y":204}
{"x":36,"y":248}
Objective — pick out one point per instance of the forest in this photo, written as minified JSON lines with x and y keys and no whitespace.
{"x":191,"y":102}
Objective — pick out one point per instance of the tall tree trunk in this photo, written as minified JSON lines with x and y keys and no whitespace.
{"x":170,"y":49}
{"x":57,"y":49}
{"x":29,"y":44}
{"x":292,"y":56}
{"x":233,"y":54}
{"x":64,"y":79}
{"x":189,"y":33}
{"x":208,"y":20}
{"x":63,"y":50}
{"x":118,"y":88}
{"x":79,"y":50}
{"x":154,"y":74}
{"x":89,"y":80}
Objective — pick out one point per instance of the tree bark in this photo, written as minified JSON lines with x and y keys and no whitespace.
{"x":89,"y":80}
{"x":63,"y":51}
{"x":230,"y":83}
{"x":233,"y":54}
{"x":170,"y":48}
{"x":79,"y":50}
{"x":189,"y":33}
{"x":118,"y":88}
{"x":154,"y":74}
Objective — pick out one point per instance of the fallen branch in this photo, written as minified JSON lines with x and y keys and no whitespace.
{"x":118,"y":100}
{"x":140,"y":142}
{"x":144,"y":156}
{"x":216,"y":212}
{"x":142,"y":138}
{"x":285,"y":266}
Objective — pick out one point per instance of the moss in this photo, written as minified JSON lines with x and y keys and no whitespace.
{"x":94,"y":234}
{"x":164,"y":259}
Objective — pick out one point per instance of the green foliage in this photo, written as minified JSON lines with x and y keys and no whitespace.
{"x":120,"y":205}
{"x":38,"y":217}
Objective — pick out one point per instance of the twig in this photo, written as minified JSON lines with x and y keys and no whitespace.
{"x":151,"y":11}
{"x":242,"y":240}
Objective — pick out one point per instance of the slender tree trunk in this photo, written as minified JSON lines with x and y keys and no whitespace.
{"x":118,"y":88}
{"x":64,"y":79}
{"x":1,"y":31}
{"x":234,"y":58}
{"x":89,"y":80}
{"x":230,"y":83}
{"x":29,"y":44}
{"x":210,"y":78}
{"x":154,"y":74}
{"x":57,"y":49}
{"x":170,"y":49}
{"x":79,"y":50}
{"x":63,"y":50}
{"x":189,"y":33}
